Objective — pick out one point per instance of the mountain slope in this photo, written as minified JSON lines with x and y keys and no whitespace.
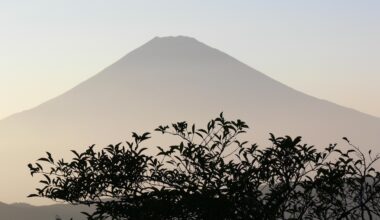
{"x":169,"y":79}
{"x":25,"y":211}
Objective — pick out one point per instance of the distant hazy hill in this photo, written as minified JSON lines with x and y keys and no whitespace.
{"x":168,"y":79}
{"x":27,"y":212}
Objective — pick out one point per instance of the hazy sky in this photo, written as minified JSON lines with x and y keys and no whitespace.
{"x":328,"y":49}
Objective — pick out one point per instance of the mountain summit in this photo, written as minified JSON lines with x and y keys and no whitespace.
{"x":168,"y":79}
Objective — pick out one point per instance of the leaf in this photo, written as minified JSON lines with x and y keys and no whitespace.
{"x":33,"y":195}
{"x":43,"y":159}
{"x":50,"y":157}
{"x":48,"y":178}
{"x":76,"y":153}
{"x":345,"y":138}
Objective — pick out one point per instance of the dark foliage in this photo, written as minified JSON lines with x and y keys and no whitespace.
{"x":211,"y":174}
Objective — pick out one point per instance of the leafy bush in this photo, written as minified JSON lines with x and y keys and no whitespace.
{"x":211,"y":174}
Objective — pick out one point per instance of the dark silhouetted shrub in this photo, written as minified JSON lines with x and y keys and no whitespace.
{"x":211,"y":174}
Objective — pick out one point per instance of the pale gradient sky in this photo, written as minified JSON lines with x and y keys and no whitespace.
{"x":328,"y":49}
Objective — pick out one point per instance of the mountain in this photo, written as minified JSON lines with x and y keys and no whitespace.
{"x":166,"y":80}
{"x":26,"y":211}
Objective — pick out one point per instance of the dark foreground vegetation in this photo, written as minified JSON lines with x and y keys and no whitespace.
{"x":211,"y":174}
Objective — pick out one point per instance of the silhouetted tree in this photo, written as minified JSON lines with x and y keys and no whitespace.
{"x":211,"y":174}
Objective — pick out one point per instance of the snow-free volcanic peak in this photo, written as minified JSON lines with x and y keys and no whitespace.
{"x":168,"y":79}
